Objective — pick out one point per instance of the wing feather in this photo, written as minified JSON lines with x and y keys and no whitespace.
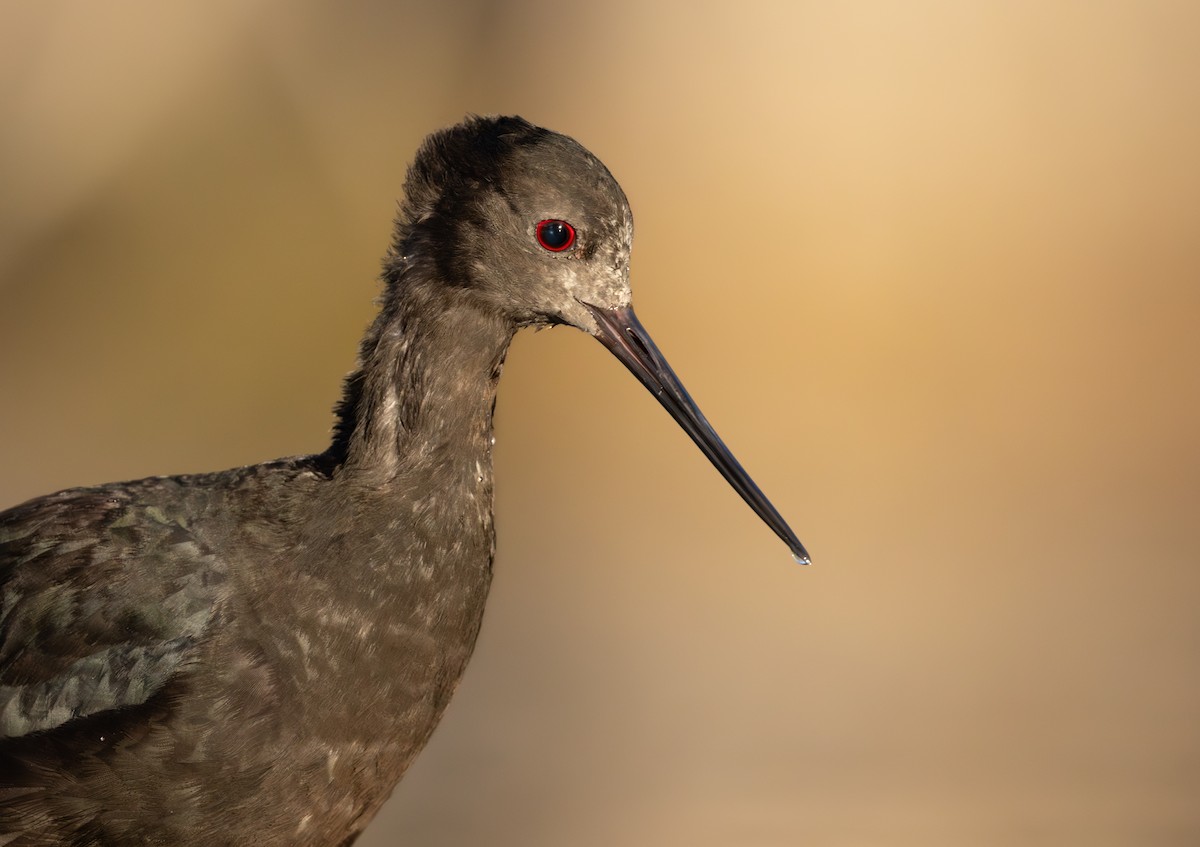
{"x":104,"y":595}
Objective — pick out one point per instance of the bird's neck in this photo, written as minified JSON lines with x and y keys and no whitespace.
{"x":425,"y":387}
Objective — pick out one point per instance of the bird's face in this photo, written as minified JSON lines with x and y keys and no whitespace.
{"x":552,"y":236}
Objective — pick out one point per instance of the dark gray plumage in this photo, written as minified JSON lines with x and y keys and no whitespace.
{"x":255,"y":656}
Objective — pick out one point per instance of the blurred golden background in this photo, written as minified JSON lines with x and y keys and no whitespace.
{"x":931,"y":268}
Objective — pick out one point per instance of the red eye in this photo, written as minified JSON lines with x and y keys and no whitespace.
{"x":555,"y":236}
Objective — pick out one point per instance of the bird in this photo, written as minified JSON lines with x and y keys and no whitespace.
{"x":256,"y":655}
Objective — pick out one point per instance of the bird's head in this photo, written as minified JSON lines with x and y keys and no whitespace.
{"x":527,"y":219}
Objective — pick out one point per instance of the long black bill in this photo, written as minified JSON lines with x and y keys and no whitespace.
{"x":625,"y":337}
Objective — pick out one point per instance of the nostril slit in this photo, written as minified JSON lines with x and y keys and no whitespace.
{"x":641,"y":345}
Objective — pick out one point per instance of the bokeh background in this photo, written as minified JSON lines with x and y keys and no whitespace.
{"x":932,"y":268}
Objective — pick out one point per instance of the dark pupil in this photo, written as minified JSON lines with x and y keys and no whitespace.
{"x":555,"y":234}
